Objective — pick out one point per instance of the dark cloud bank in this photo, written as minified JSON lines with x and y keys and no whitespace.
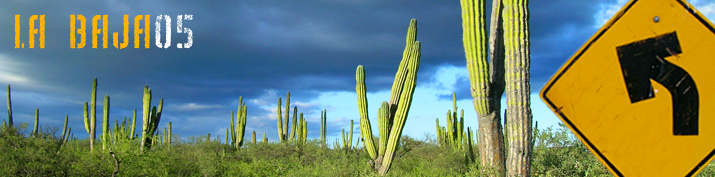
{"x":244,"y":48}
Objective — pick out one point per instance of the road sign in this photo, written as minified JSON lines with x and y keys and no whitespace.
{"x":641,"y":92}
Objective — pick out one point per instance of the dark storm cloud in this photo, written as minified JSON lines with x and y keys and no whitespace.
{"x":243,"y":48}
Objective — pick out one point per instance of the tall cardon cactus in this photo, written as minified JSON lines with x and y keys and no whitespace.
{"x":518,"y":91}
{"x":90,"y":116}
{"x":238,"y":129}
{"x":392,"y":115}
{"x":501,"y":66}
{"x":151,"y":118}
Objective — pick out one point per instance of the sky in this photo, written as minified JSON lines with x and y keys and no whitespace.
{"x":261,"y":50}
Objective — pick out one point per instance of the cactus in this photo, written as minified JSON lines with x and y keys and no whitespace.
{"x":105,"y":123}
{"x":169,"y":136}
{"x":240,"y":129}
{"x":253,"y":137}
{"x":348,"y":139}
{"x":265,"y":139}
{"x":301,"y":130}
{"x":323,"y":121}
{"x":9,"y":107}
{"x":283,"y":126}
{"x":486,"y":78}
{"x":518,"y":91}
{"x":70,"y":135}
{"x":226,"y":137}
{"x":470,"y":151}
{"x":35,"y":130}
{"x":90,"y":116}
{"x":285,"y":133}
{"x":64,"y":130}
{"x":134,"y":125}
{"x":452,"y":134}
{"x":294,"y":125}
{"x":509,"y":44}
{"x":150,"y":118}
{"x":393,"y":114}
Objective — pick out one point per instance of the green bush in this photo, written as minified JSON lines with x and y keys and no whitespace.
{"x":556,"y":153}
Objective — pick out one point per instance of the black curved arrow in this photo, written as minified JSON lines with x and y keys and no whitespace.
{"x":644,"y":60}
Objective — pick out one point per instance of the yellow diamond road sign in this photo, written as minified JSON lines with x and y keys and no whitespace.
{"x":640,"y":93}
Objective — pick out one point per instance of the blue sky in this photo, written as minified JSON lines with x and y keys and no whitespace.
{"x":261,"y":50}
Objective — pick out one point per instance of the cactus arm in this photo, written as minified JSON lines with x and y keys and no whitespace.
{"x":294,"y":125}
{"x":241,"y":115}
{"x":64,"y":129}
{"x":265,"y":139}
{"x":286,"y":118}
{"x":232,"y":127}
{"x":397,"y":86}
{"x":365,"y":127}
{"x":9,"y":107}
{"x":383,"y":124}
{"x":253,"y":137}
{"x":403,"y":108}
{"x":86,"y":118}
{"x":280,"y":121}
{"x":37,"y":122}
{"x":105,"y":123}
{"x":93,"y":115}
{"x":350,"y":141}
{"x":145,"y":117}
{"x":322,"y":129}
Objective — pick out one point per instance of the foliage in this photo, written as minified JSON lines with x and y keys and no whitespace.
{"x":556,"y":153}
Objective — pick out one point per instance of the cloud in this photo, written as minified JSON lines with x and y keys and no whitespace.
{"x":606,"y":11}
{"x":190,"y":107}
{"x":262,"y":49}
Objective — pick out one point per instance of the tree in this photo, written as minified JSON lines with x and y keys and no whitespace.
{"x":507,"y":55}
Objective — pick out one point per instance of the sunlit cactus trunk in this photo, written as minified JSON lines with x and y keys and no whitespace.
{"x":486,"y":78}
{"x":151,"y":118}
{"x":517,"y":61}
{"x":393,"y":114}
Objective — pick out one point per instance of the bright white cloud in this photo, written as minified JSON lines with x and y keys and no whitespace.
{"x":707,"y":8}
{"x":191,"y":107}
{"x":606,"y":11}
{"x":10,"y":71}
